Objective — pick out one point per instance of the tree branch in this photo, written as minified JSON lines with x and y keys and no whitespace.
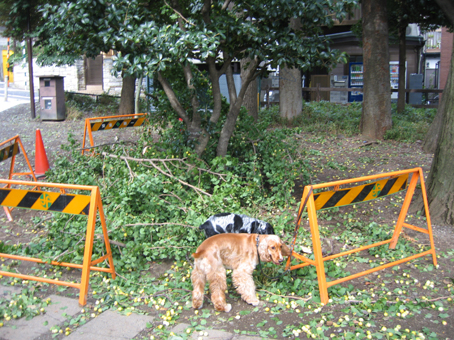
{"x":152,"y":162}
{"x":225,"y":5}
{"x":158,"y":224}
{"x":179,"y":14}
{"x":174,"y":102}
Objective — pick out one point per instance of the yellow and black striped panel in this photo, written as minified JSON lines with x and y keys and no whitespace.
{"x":117,"y":124}
{"x":9,"y":151}
{"x":361,"y":193}
{"x":47,"y":201}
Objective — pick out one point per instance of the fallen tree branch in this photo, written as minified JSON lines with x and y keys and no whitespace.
{"x":394,"y":302}
{"x":105,"y":144}
{"x":116,"y":243}
{"x":285,"y":296}
{"x":152,"y":162}
{"x":158,"y":224}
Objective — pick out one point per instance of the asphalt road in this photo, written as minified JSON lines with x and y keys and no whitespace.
{"x":16,"y":94}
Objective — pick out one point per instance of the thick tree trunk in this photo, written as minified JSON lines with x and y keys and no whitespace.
{"x":431,"y":140}
{"x":440,"y":183}
{"x":127,"y":96}
{"x":290,"y":93}
{"x":447,"y":6}
{"x":250,"y":101}
{"x":376,"y":115}
{"x":401,"y":98}
{"x":137,"y":98}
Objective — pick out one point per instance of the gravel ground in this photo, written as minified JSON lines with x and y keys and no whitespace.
{"x":17,"y":121}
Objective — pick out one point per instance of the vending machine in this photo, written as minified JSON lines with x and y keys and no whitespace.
{"x":394,"y":78}
{"x":338,"y":81}
{"x":355,"y":79}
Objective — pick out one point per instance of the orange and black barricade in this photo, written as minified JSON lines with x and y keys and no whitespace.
{"x":382,"y":185}
{"x":75,"y":204}
{"x":108,"y":123}
{"x":9,"y":149}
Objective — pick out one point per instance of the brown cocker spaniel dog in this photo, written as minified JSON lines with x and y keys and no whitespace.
{"x":237,"y":252}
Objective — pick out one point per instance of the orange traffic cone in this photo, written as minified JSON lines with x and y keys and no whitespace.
{"x":41,"y":162}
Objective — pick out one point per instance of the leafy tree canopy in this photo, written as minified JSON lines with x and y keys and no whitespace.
{"x":426,"y":13}
{"x":19,"y":17}
{"x":163,"y":38}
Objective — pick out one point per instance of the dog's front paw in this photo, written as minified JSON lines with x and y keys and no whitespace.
{"x":197,"y":304}
{"x":223,"y":308}
{"x":254,"y":302}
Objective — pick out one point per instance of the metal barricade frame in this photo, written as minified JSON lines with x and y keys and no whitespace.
{"x":10,"y":151}
{"x":108,"y":123}
{"x":342,"y":199}
{"x":75,"y":204}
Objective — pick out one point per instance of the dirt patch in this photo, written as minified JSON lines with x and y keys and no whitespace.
{"x":331,"y":158}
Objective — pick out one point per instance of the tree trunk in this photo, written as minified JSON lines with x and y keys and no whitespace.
{"x":376,"y":115}
{"x":232,"y":115}
{"x":137,"y":99}
{"x":401,"y":96}
{"x":431,"y":140}
{"x":127,"y":95}
{"x":250,"y":101}
{"x":196,"y":132}
{"x":440,"y":183}
{"x":216,"y":89}
{"x":230,"y":84}
{"x":447,"y":6}
{"x":290,"y":93}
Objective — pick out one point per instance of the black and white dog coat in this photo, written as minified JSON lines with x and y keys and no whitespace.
{"x":234,"y":223}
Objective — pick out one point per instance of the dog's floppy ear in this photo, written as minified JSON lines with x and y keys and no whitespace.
{"x":263,"y":250}
{"x":285,"y":251}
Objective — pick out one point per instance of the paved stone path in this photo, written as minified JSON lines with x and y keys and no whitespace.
{"x":109,"y":325}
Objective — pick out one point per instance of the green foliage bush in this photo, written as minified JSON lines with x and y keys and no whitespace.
{"x":159,"y":192}
{"x":156,"y":216}
{"x":410,"y":125}
{"x":78,"y":105}
{"x":331,"y":118}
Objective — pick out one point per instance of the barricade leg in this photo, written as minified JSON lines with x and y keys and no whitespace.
{"x":429,"y":223}
{"x":88,"y":249}
{"x":11,"y":168}
{"x":8,"y":213}
{"x":317,"y":248}
{"x":404,"y":210}
{"x":106,"y":236}
{"x":85,"y":136}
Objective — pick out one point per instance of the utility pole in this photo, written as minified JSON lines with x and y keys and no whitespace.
{"x":7,"y":72}
{"x":30,"y":68}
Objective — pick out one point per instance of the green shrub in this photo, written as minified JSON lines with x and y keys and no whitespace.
{"x":155,"y":207}
{"x":410,"y":125}
{"x":330,"y":118}
{"x":77,"y":105}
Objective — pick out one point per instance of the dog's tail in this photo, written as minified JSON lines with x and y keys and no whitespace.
{"x":198,"y":254}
